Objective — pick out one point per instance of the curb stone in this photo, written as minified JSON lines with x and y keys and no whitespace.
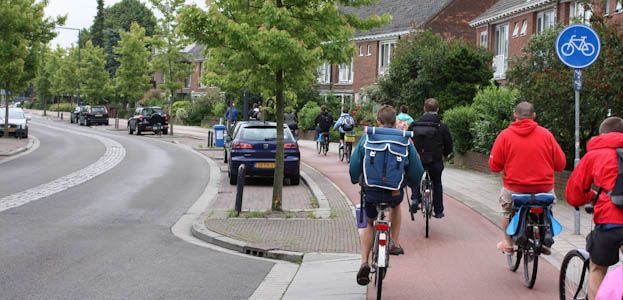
{"x":20,"y":149}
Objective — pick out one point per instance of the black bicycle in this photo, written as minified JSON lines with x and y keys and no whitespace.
{"x":533,"y":223}
{"x":426,"y":198}
{"x":322,"y":144}
{"x":380,"y":247}
{"x":346,"y":150}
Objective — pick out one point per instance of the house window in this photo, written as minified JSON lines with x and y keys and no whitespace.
{"x":516,"y":30}
{"x":545,"y":20}
{"x":524,"y":27}
{"x":188,"y":81}
{"x":324,"y":73}
{"x":581,"y":13}
{"x":361,"y":53}
{"x":501,"y":51}
{"x":606,"y":7}
{"x":619,"y":6}
{"x":484,"y":39}
{"x":385,"y":57}
{"x":346,"y":72}
{"x":369,"y":50}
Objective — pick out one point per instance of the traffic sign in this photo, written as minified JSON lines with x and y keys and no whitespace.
{"x":578,"y":46}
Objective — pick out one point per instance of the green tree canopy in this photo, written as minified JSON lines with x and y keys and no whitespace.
{"x":133,"y":76}
{"x":52,"y":65}
{"x":43,"y":78}
{"x":270,"y":47}
{"x":67,"y":81}
{"x":95,"y":83}
{"x":425,"y":65}
{"x":97,"y":29}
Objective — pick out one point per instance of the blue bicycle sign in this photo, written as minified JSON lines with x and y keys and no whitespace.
{"x":578,"y":46}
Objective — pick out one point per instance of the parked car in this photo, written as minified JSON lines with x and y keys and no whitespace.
{"x":18,"y":123}
{"x":74,"y":116}
{"x":145,"y":118}
{"x":229,"y":138}
{"x":255,"y":146}
{"x":96,"y":114}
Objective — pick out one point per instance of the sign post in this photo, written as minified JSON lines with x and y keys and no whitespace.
{"x":578,"y":47}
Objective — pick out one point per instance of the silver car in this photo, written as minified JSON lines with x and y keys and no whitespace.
{"x":18,"y":122}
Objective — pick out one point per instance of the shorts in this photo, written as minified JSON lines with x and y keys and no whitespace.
{"x":506,"y":201}
{"x":604,"y":245}
{"x":342,"y":136}
{"x":373,"y":196}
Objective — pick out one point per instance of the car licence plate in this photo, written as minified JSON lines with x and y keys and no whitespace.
{"x":98,"y":115}
{"x":265,"y":165}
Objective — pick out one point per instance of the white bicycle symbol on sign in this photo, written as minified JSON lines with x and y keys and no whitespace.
{"x":580,"y":44}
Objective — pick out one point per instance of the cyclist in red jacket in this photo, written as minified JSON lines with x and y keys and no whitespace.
{"x":528,"y":155}
{"x":599,"y":167}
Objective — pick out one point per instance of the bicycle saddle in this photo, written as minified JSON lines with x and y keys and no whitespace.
{"x":541,"y":199}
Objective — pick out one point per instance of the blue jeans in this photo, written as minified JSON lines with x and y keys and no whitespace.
{"x":435,"y":169}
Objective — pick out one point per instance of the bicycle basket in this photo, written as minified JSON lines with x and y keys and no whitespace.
{"x":349,"y":138}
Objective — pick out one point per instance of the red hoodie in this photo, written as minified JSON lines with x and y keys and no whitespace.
{"x":528,"y":154}
{"x":598,"y":166}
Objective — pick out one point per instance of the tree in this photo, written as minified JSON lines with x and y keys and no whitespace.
{"x":67,"y":75}
{"x":43,"y":78}
{"x":271,"y":47}
{"x":425,"y":65}
{"x":169,"y":45}
{"x":119,"y":17}
{"x":95,"y":83}
{"x":24,"y":31}
{"x":132,"y":79}
{"x":97,"y":29}
{"x":52,"y":66}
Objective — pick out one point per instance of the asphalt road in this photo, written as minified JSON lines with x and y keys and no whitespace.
{"x":458,"y":260}
{"x":110,"y":237}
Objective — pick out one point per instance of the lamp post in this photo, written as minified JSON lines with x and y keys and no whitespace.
{"x":78,"y":101}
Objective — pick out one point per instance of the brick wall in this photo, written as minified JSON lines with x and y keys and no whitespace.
{"x":366,"y":66}
{"x":453,"y":21}
{"x":518,"y":42}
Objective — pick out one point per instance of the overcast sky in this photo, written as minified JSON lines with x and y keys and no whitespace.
{"x":80,"y":14}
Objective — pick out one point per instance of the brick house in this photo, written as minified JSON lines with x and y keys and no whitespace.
{"x":192,"y":85}
{"x":506,"y":27}
{"x":449,"y":18}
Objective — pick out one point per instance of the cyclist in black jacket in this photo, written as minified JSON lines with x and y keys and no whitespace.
{"x":434,"y":144}
{"x":323,"y":121}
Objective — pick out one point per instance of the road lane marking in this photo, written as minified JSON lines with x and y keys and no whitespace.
{"x":113,"y":155}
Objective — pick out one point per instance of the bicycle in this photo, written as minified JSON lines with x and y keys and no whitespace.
{"x":426,"y":198}
{"x":346,"y":150}
{"x":322,"y":143}
{"x":568,"y":48}
{"x":381,"y":244}
{"x":533,"y":210}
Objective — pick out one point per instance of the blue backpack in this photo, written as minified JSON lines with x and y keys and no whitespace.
{"x":386,"y":154}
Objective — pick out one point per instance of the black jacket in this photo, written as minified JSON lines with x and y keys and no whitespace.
{"x":324,"y":120}
{"x":431,"y":138}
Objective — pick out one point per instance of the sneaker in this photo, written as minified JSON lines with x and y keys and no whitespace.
{"x":439,"y":215}
{"x":363,"y":276}
{"x":396,"y":250}
{"x":546,"y":250}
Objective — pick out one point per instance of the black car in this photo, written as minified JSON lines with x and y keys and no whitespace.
{"x":148,"y":119}
{"x":74,"y":116}
{"x":96,"y":114}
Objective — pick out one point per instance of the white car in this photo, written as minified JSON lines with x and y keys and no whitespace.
{"x":18,"y":122}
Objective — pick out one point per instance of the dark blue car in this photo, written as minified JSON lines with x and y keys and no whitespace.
{"x":255,"y":146}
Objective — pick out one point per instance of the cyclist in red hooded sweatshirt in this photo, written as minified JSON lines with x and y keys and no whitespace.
{"x":599,"y":167}
{"x":528,"y":155}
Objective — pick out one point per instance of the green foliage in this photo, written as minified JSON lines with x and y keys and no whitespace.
{"x":307,"y":115}
{"x":67,"y":77}
{"x":64,"y":106}
{"x":218,"y":109}
{"x":543,"y":80}
{"x":364,"y":113}
{"x":133,"y":75}
{"x":459,"y":120}
{"x":494,"y":107}
{"x":95,"y":83}
{"x":97,"y":29}
{"x":43,"y":82}
{"x":425,"y":65}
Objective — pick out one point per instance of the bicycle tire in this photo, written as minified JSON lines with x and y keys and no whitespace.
{"x":341,"y":153}
{"x":380,"y":275}
{"x":349,"y":149}
{"x":513,"y":260}
{"x":427,"y":215}
{"x":573,"y":262}
{"x":318,"y":147}
{"x":530,"y":262}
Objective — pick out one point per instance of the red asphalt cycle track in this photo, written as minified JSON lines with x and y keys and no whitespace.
{"x":459,"y":260}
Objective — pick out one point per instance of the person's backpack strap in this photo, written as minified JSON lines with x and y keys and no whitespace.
{"x":616,"y":194}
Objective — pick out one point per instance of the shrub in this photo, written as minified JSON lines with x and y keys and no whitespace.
{"x":67,"y":107}
{"x":494,"y":107}
{"x":459,"y":121}
{"x":308,"y":114}
{"x":219,"y":109}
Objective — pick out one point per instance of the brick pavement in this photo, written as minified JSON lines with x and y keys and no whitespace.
{"x":10,"y":145}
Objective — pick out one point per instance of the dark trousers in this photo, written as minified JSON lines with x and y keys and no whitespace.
{"x":434,"y":169}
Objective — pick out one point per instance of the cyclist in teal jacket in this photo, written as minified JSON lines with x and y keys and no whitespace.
{"x":386,"y":117}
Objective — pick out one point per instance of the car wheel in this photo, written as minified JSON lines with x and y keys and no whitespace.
{"x":130,"y":131}
{"x":165,"y":131}
{"x":138,"y":130}
{"x":87,"y":123}
{"x":233,"y":179}
{"x":106,"y":123}
{"x":225,"y":157}
{"x":295,"y":180}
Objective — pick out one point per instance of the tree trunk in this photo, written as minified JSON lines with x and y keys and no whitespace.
{"x":279,"y":155}
{"x":6,"y":116}
{"x":171,"y":113}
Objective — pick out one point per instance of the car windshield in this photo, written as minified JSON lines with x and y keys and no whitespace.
{"x":151,"y":111}
{"x":99,"y":109}
{"x":15,"y":114}
{"x":264,"y":133}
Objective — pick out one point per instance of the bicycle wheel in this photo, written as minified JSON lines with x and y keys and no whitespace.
{"x":318,"y":147}
{"x":573,"y":281}
{"x":530,"y":260}
{"x":513,"y":260}
{"x":325,"y":149}
{"x":341,"y":153}
{"x":380,"y":275}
